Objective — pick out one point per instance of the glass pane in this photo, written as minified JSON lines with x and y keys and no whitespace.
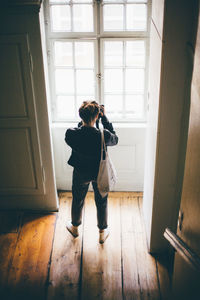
{"x":61,"y":18}
{"x":85,"y":1}
{"x":64,"y":81}
{"x":63,"y":54}
{"x":111,"y":1}
{"x":85,"y":81}
{"x":113,"y":53}
{"x":84,"y":54}
{"x":135,"y":54}
{"x":59,"y":1}
{"x":113,"y":81}
{"x":136,"y":17}
{"x":65,"y":107}
{"x":82,"y":98}
{"x":142,"y":1}
{"x":113,"y":103}
{"x":113,"y":17}
{"x":134,"y":80}
{"x":83,"y":18}
{"x":134,"y":104}
{"x":113,"y":106}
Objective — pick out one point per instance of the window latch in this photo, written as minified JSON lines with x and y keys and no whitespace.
{"x":99,"y":76}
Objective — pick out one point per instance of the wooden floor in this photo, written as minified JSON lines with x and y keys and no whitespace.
{"x":39,"y":259}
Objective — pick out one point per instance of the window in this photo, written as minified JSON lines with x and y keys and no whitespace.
{"x":98,"y":50}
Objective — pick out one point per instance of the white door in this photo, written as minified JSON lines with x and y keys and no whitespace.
{"x":22,"y":174}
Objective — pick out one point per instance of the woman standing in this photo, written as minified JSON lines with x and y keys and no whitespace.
{"x":85,"y":141}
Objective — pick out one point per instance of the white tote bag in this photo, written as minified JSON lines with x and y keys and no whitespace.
{"x":107,"y":175}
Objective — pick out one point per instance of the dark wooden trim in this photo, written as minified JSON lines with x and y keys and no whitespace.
{"x":182,"y":248}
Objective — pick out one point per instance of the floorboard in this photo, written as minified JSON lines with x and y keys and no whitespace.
{"x":9,"y":221}
{"x":101,"y":278}
{"x":7,"y":247}
{"x":29,"y":268}
{"x":131,"y":284}
{"x":66,"y":257}
{"x":39,"y":259}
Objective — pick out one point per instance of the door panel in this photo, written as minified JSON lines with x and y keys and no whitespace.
{"x":20,"y":165}
{"x":17,"y":165}
{"x":185,"y":280}
{"x":152,"y":127}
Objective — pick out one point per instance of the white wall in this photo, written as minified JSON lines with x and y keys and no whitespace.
{"x":127,"y":156}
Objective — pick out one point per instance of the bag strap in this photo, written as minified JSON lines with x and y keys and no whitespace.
{"x":103,"y":145}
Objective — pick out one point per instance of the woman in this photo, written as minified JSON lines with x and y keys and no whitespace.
{"x":85,"y":141}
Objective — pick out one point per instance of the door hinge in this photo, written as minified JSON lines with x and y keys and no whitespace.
{"x":31,"y":61}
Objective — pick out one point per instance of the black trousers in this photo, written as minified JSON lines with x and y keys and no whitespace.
{"x":80,"y":185}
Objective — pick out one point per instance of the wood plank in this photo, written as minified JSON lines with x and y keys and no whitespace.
{"x":7,"y":248}
{"x":131,"y":285}
{"x":164,"y":278}
{"x":101,"y":275}
{"x":9,"y":221}
{"x":146,"y":262}
{"x":66,"y":256}
{"x":29,"y":267}
{"x":111,"y":194}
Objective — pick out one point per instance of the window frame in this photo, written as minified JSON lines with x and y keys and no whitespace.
{"x":136,"y":120}
{"x":53,"y":68}
{"x":98,"y":36}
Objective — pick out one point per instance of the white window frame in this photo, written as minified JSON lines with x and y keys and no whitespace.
{"x":98,"y":36}
{"x":52,"y":71}
{"x":145,"y":72}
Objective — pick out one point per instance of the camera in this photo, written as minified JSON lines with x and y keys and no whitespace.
{"x":101,"y":111}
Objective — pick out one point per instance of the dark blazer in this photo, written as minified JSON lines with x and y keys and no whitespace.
{"x":86,"y":146}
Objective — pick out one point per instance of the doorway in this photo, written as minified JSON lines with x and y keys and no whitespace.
{"x":166,"y":106}
{"x":100,"y":50}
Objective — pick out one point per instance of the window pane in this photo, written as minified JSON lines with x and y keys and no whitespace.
{"x":61,"y":18}
{"x":113,"y":17}
{"x":134,"y":105}
{"x":85,"y":1}
{"x":136,"y":17}
{"x":82,"y":98}
{"x":134,"y":80}
{"x":59,"y":1}
{"x":142,"y":1}
{"x":85,"y":81}
{"x":113,"y":53}
{"x":113,"y":103}
{"x":83,"y":18}
{"x":65,"y":107}
{"x":111,"y":1}
{"x":63,"y":54}
{"x":135,"y":54}
{"x":113,"y":81}
{"x":84,"y":54}
{"x":64,"y":81}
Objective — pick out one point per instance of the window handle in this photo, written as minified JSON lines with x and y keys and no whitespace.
{"x":99,"y":76}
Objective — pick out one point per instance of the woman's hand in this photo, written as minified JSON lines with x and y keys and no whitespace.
{"x":102,"y":110}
